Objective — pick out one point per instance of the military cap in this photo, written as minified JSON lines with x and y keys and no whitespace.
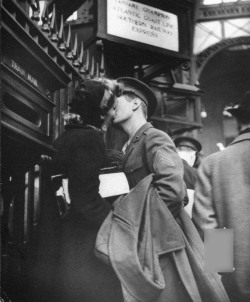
{"x":189,"y":142}
{"x":242,"y":110}
{"x":140,"y":89}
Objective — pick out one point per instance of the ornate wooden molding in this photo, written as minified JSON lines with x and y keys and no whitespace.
{"x":224,"y":11}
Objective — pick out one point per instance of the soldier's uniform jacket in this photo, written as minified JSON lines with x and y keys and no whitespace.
{"x":152,"y":151}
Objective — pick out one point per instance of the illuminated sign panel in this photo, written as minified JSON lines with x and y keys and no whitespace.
{"x":142,"y":23}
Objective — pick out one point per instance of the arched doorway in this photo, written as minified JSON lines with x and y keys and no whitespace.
{"x":223,"y":72}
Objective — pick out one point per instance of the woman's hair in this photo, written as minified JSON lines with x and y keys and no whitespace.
{"x":112,"y":88}
{"x":91,"y":100}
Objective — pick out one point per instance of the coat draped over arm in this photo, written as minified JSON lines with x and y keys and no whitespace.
{"x":156,"y":257}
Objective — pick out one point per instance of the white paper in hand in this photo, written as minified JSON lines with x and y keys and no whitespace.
{"x":113,"y":184}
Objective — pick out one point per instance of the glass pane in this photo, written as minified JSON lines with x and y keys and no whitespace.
{"x":210,"y":2}
{"x":41,"y":2}
{"x":237,"y":27}
{"x":73,"y":17}
{"x":207,"y":34}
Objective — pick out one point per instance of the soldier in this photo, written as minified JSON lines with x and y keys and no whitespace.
{"x":151,"y":216}
{"x":148,"y":150}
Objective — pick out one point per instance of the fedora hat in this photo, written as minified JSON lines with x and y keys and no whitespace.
{"x":140,"y":89}
{"x":242,"y":110}
{"x":189,"y":142}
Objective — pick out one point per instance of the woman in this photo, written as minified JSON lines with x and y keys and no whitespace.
{"x":81,"y":154}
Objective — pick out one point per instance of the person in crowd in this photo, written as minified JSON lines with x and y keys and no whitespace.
{"x":188,"y":149}
{"x":222,"y":199}
{"x":153,"y":208}
{"x":80,"y":156}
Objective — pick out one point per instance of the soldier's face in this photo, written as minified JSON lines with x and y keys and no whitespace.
{"x":123,"y":110}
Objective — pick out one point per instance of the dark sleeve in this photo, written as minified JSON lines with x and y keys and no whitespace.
{"x":87,"y":156}
{"x":167,"y":166}
{"x":190,"y":175}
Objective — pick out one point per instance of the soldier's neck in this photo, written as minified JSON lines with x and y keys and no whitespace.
{"x":133,"y":126}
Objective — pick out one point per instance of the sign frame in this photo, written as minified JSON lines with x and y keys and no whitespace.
{"x":184,"y":34}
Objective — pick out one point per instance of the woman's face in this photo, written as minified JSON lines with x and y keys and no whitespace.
{"x":109,"y":116}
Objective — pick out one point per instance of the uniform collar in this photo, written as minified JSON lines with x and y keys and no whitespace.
{"x":128,"y":149}
{"x":140,"y":131}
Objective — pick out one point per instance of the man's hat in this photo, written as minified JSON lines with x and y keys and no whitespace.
{"x":140,"y":89}
{"x":189,"y":142}
{"x":242,"y":110}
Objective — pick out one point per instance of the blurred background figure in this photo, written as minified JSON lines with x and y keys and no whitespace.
{"x":222,"y":199}
{"x":188,"y":149}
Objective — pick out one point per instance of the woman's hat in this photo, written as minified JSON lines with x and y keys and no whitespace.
{"x":88,"y":92}
{"x":140,"y":89}
{"x":242,"y":110}
{"x":86,"y":101}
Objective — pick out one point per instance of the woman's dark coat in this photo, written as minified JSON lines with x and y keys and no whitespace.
{"x":82,"y":277}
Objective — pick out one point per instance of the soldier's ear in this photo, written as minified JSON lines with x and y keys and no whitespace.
{"x":136,"y":104}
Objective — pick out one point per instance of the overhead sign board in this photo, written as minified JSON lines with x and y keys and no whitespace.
{"x":142,"y":23}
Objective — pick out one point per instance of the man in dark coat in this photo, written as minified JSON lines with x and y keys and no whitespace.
{"x":222,"y":200}
{"x":81,"y":155}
